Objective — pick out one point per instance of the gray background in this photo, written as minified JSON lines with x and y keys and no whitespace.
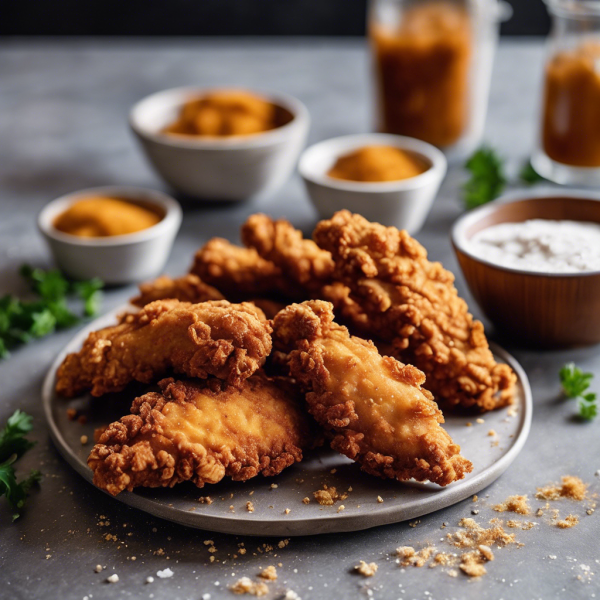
{"x":63,"y":109}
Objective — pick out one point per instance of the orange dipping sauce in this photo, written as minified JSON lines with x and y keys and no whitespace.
{"x":104,"y":217}
{"x":378,"y":163}
{"x":225,"y":113}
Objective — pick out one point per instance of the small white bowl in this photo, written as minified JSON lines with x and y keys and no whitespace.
{"x":404,"y":204}
{"x":116,"y":259}
{"x":229,"y":168}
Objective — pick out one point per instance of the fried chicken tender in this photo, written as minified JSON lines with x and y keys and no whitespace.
{"x":201,"y":432}
{"x":229,"y":341}
{"x":412,"y":303}
{"x":372,"y":406}
{"x":241,"y":273}
{"x":189,"y":288}
{"x":283,"y":245}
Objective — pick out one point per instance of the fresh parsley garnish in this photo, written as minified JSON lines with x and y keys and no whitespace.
{"x":22,"y":321}
{"x":487,"y":178}
{"x":529,"y":175}
{"x":13,"y":444}
{"x":575,"y":384}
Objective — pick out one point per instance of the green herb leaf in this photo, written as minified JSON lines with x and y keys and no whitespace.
{"x":574,"y":381}
{"x":587,"y":410}
{"x":529,"y":175}
{"x":487,"y":178}
{"x":89,"y":292}
{"x":12,"y":437}
{"x":16,"y":493}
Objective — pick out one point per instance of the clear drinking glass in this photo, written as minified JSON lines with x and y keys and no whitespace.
{"x":568,"y":149}
{"x":433,"y":64}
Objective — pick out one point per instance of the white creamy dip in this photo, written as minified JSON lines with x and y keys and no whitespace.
{"x":540,"y":245}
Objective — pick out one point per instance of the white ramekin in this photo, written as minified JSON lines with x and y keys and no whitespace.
{"x":231,"y":168}
{"x":404,"y":204}
{"x":116,"y":259}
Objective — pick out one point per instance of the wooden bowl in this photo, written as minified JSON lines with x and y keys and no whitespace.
{"x":542,"y":310}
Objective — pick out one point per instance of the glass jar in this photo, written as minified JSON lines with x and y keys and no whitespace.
{"x":568,"y":149}
{"x":433,"y":63}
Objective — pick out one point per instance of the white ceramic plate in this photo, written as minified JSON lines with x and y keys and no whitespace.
{"x":362,"y":510}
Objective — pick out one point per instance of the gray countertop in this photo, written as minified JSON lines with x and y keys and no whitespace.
{"x":63,"y":126}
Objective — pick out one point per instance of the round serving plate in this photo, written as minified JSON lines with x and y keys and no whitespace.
{"x":227,"y":513}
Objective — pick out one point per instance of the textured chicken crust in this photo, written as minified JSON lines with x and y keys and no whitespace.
{"x":372,"y":406}
{"x":229,"y":341}
{"x":241,"y":273}
{"x":412,"y":303}
{"x":189,"y":288}
{"x":196,"y":431}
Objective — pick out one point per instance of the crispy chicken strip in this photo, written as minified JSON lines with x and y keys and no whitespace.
{"x":241,"y":273}
{"x":229,"y":341}
{"x":373,"y":407}
{"x":412,"y":303}
{"x":283,"y":245}
{"x":189,"y":288}
{"x":196,"y":431}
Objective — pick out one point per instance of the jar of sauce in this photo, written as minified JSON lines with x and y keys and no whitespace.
{"x":433,"y":63}
{"x":568,"y":150}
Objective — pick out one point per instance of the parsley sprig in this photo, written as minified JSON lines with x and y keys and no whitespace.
{"x":575,"y":384}
{"x":13,"y":444}
{"x":487,"y":177}
{"x":21,"y":321}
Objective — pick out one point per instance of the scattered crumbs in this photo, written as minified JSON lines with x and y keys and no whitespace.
{"x":241,"y":551}
{"x":414,"y":523}
{"x":71,"y":414}
{"x":98,"y":568}
{"x":283,"y":543}
{"x":245,"y":585}
{"x":341,"y":507}
{"x":469,"y":424}
{"x":150,"y":579}
{"x":165,"y":573}
{"x":475,"y":498}
{"x":328,"y":496}
{"x":306,"y":500}
{"x":474,"y":535}
{"x":350,"y":489}
{"x":512,"y":411}
{"x":480,"y":421}
{"x":274,"y":486}
{"x":379,"y":499}
{"x":453,"y":573}
{"x":205,"y":500}
{"x":471,"y":564}
{"x":333,"y":471}
{"x":486,"y":551}
{"x":408,"y":556}
{"x":249,"y":506}
{"x":568,"y":522}
{"x":209,"y":543}
{"x":206,"y":596}
{"x":268,"y":573}
{"x":539,"y":512}
{"x":290,"y":595}
{"x":570,"y":487}
{"x":252,"y":492}
{"x":517,"y":504}
{"x":212,"y":549}
{"x":231,"y":508}
{"x":524,"y":525}
{"x":287,"y":511}
{"x":366,"y":569}
{"x":492,"y":433}
{"x":114,"y":578}
{"x":84,"y":440}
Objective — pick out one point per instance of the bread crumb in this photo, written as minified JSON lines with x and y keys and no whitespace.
{"x":71,"y":414}
{"x":249,"y":506}
{"x":517,"y":504}
{"x":469,"y":424}
{"x":568,"y":522}
{"x":408,"y":556}
{"x":570,"y":487}
{"x":453,"y":573}
{"x":287,"y":511}
{"x":205,"y":500}
{"x":283,"y":543}
{"x":479,"y":421}
{"x":269,"y":573}
{"x":486,"y":551}
{"x":274,"y":486}
{"x":306,"y":500}
{"x":328,"y":496}
{"x":366,"y":569}
{"x":114,"y":578}
{"x":84,"y":440}
{"x":245,"y":585}
{"x":512,"y":411}
{"x":98,"y":568}
{"x":341,"y":507}
{"x":492,"y":433}
{"x":474,"y":535}
{"x":475,"y":498}
{"x":471,"y":564}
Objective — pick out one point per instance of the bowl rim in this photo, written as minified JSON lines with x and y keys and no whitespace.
{"x":171,"y":219}
{"x":299,"y":112}
{"x":340,"y":145}
{"x":458,"y":236}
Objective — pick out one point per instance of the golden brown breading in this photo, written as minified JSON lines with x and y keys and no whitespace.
{"x":241,"y":273}
{"x":413,"y":303}
{"x":229,"y":341}
{"x":373,"y":407}
{"x":196,"y":431}
{"x":298,"y":258}
{"x":189,"y":288}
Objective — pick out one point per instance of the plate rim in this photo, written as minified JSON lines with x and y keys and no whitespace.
{"x":327,"y":523}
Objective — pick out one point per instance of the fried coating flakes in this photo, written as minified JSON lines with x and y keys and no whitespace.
{"x":229,"y":341}
{"x":373,"y":407}
{"x":194,"y":432}
{"x":517,"y":504}
{"x":366,"y":569}
{"x":245,"y":585}
{"x":329,"y":496}
{"x":189,"y":288}
{"x":570,"y":487}
{"x":412,"y":304}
